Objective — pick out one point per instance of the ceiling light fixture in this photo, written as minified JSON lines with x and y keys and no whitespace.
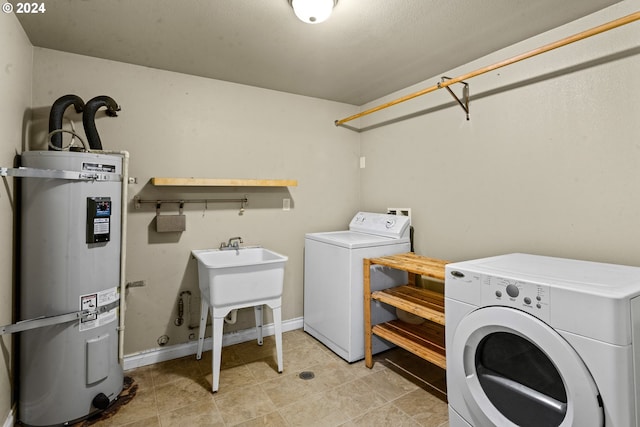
{"x":313,"y":11}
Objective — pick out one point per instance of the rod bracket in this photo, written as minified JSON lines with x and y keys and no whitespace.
{"x":464,"y":102}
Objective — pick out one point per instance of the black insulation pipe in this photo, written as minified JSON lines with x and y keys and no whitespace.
{"x":89,"y":118}
{"x":55,"y":116}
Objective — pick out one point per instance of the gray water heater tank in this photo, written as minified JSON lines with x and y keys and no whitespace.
{"x":69,"y":261}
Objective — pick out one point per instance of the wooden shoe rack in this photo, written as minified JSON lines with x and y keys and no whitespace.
{"x":425,"y":340}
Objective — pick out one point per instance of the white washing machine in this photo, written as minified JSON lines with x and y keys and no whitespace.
{"x":540,"y":341}
{"x":333,"y":273}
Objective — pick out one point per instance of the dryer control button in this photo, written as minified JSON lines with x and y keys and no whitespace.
{"x":527,"y":300}
{"x":498,"y":294}
{"x":512,"y":290}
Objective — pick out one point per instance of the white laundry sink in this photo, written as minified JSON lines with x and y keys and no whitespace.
{"x":235,"y":278}
{"x":239,"y":277}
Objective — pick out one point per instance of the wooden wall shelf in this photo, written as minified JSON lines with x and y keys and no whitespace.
{"x":223,"y":182}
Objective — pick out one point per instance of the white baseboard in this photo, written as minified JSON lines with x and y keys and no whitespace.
{"x":11,"y":418}
{"x":149,"y":357}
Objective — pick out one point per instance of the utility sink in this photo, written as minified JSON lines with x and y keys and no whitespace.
{"x":239,"y":277}
{"x":236,"y":278}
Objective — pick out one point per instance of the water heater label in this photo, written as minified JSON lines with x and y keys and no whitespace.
{"x":98,"y":167}
{"x":98,"y":219}
{"x":89,"y":303}
{"x":93,"y":302}
{"x":101,"y":226}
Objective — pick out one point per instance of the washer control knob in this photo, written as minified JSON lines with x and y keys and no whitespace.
{"x":512,"y":290}
{"x":498,"y":294}
{"x":527,"y":300}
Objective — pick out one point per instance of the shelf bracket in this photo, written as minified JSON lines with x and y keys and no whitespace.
{"x":465,"y":94}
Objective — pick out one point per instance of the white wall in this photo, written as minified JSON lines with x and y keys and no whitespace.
{"x":549,"y":162}
{"x":15,"y":87}
{"x":176,"y":125}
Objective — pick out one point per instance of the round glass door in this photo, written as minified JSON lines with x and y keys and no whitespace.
{"x":514,"y":370}
{"x":520,"y":380}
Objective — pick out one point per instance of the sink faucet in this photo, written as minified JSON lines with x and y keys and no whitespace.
{"x":233,"y":243}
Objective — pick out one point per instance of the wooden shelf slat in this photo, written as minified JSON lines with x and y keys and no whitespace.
{"x":417,"y":339}
{"x":413,"y":263}
{"x":223,"y":182}
{"x":421,"y":302}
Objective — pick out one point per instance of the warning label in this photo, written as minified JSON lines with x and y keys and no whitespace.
{"x":93,"y":302}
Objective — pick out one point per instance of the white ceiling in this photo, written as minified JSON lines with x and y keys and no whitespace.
{"x":367,"y":49}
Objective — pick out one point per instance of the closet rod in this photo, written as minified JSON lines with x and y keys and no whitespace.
{"x":567,"y":40}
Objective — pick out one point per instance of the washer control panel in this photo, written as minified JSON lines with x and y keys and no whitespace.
{"x":530,"y":297}
{"x":380,"y":224}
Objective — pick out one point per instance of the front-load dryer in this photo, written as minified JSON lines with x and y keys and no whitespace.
{"x":536,"y":341}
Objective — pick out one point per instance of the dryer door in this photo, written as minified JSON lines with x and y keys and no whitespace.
{"x":514,"y":370}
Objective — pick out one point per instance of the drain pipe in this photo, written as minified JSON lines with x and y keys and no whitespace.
{"x":232,"y":317}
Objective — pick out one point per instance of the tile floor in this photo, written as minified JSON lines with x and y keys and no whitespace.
{"x":178,"y":392}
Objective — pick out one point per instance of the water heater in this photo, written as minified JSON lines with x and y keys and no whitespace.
{"x":69,"y":265}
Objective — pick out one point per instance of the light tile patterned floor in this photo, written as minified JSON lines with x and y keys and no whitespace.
{"x":178,"y":393}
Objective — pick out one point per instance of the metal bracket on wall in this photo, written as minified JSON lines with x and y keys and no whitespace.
{"x":159,"y":204}
{"x":465,"y":94}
